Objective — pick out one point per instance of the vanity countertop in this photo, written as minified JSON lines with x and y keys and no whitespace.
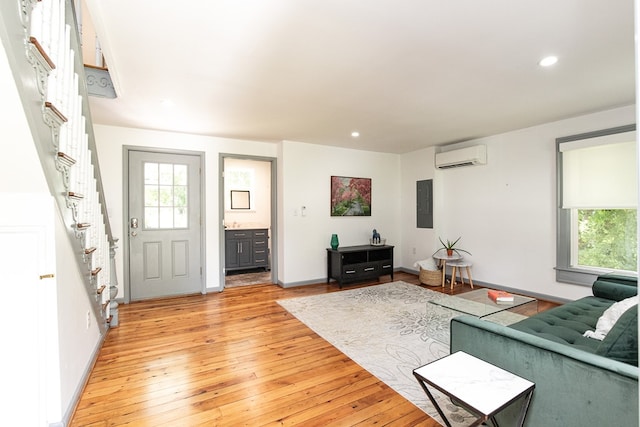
{"x":246,"y":227}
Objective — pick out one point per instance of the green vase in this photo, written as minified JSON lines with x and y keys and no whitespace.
{"x":334,"y":241}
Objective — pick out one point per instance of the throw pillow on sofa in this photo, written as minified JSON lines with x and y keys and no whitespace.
{"x":621,"y":343}
{"x":610,"y":317}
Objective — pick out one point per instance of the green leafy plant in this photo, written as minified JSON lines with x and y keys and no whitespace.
{"x":450,"y":247}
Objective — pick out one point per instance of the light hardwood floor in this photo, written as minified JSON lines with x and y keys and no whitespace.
{"x":235,"y":358}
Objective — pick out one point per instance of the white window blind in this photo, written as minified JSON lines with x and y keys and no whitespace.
{"x":600,"y":173}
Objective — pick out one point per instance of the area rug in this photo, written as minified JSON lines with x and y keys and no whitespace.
{"x":389,"y":330}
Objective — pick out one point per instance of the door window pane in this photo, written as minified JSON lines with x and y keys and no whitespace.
{"x":166,"y":195}
{"x":150,"y":173}
{"x":166,"y":174}
{"x":166,"y":218}
{"x":151,"y":218}
{"x":180,"y":217}
{"x":180,"y":174}
{"x":180,"y":196}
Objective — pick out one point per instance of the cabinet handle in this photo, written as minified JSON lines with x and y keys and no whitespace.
{"x":369,"y":269}
{"x":350,"y":271}
{"x":260,"y":260}
{"x":259,"y":243}
{"x":386,"y":266}
{"x":259,"y":252}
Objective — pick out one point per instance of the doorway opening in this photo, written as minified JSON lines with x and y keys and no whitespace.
{"x":247,"y":212}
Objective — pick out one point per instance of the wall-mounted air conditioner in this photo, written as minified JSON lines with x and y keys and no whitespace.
{"x":476,"y":155}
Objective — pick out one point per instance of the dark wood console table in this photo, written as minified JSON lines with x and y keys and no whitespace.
{"x":358,"y":263}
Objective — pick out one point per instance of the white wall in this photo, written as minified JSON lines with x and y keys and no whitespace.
{"x":110,"y":141}
{"x":505,"y":211}
{"x":79,"y":342}
{"x":305,"y":172}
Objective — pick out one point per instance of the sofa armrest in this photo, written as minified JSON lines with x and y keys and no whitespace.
{"x":573,"y":387}
{"x":615,"y":290}
{"x":619,"y":278}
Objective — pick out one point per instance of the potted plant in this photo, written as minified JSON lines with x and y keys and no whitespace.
{"x":450,"y":247}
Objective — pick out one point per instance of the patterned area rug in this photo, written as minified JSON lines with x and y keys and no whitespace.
{"x":389,"y":330}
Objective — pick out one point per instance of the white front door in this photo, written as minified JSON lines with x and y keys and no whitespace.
{"x":164,"y":225}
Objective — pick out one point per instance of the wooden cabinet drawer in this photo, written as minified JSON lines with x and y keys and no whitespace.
{"x":386,"y":266}
{"x":260,"y":257}
{"x":361,"y":270}
{"x":261,"y":234}
{"x":239,"y":234}
{"x":260,"y":242}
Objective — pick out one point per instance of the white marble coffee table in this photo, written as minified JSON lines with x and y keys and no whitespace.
{"x":482,"y":388}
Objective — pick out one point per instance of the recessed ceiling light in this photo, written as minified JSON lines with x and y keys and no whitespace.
{"x":355,"y":134}
{"x":548,"y":61}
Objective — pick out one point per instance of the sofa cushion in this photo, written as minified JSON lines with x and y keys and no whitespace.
{"x":567,"y":323}
{"x":621,"y":343}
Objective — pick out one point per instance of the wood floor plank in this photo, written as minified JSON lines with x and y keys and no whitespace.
{"x":234,"y":358}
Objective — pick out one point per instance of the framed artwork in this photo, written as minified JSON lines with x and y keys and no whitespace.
{"x":350,"y":196}
{"x":240,"y":199}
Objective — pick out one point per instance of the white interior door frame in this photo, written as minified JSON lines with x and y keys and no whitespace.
{"x":127,"y":214}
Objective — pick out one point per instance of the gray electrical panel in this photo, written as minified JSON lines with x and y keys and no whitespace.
{"x":424,"y":203}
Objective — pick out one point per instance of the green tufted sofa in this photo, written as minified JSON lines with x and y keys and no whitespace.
{"x":579,"y":381}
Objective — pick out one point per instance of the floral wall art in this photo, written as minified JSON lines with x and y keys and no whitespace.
{"x":350,"y":196}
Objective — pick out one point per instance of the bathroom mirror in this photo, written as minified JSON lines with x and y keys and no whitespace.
{"x":240,"y":199}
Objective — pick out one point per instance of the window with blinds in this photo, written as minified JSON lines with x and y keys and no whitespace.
{"x":597,"y":204}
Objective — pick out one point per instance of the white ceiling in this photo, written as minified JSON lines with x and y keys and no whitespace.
{"x":405,"y":73}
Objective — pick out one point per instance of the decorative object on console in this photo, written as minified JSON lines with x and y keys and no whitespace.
{"x":350,"y":196}
{"x":376,"y":240}
{"x":334,"y":241}
{"x":450,"y":247}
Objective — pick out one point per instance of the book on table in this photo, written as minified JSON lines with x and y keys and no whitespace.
{"x":500,"y":296}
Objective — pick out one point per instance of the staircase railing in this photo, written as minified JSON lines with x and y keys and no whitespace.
{"x":52,"y":47}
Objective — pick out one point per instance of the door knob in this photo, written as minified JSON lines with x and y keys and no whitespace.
{"x":134,"y":222}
